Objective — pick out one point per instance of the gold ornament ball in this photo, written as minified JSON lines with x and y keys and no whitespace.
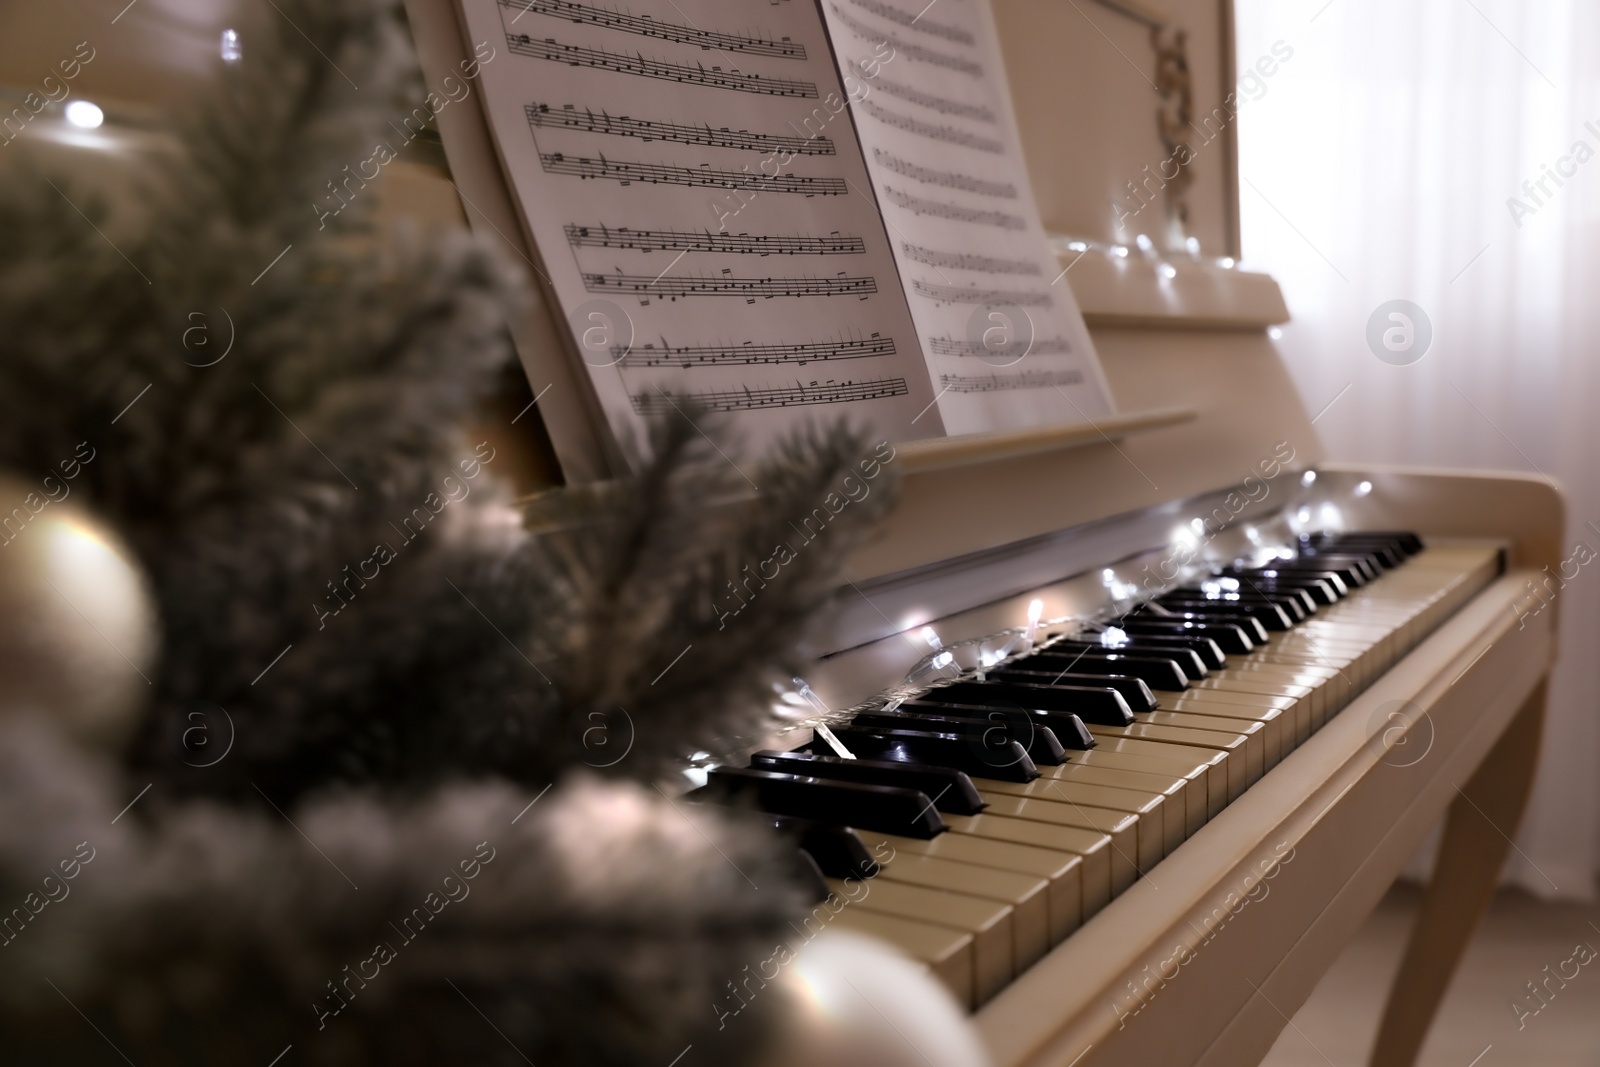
{"x":79,"y":632}
{"x":855,"y":1001}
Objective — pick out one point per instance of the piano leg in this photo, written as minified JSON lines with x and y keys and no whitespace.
{"x":1477,"y":838}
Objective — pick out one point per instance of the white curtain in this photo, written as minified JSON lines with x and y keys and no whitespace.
{"x":1381,"y":164}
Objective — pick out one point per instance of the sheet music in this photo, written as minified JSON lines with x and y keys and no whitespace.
{"x":690,"y":175}
{"x":1005,"y":343}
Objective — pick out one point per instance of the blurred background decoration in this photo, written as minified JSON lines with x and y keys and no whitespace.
{"x":324,"y":674}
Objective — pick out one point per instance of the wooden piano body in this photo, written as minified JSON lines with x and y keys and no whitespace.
{"x":988,"y":523}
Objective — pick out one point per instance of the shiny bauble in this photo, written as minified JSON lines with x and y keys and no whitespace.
{"x":79,"y":631}
{"x":855,"y":1001}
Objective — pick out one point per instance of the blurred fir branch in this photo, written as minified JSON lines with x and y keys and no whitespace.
{"x":466,"y":648}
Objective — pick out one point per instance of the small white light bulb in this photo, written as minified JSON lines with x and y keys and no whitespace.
{"x":85,"y":115}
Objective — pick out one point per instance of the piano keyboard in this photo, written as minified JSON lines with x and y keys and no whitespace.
{"x":983,"y":820}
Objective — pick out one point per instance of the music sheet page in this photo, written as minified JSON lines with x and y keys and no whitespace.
{"x":690,"y":175}
{"x":1005,"y":342}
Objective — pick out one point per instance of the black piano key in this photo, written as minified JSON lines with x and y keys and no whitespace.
{"x":952,"y":791}
{"x":1322,"y":588}
{"x":887,"y":809}
{"x":1300,"y":604}
{"x":1271,"y":614}
{"x":1353,"y":568}
{"x":1210,"y":653}
{"x":1252,"y":629}
{"x":1134,"y":693}
{"x":1037,"y":739}
{"x":808,"y":875}
{"x":1156,"y":672}
{"x":1187,"y":659}
{"x":1226,"y":640}
{"x":1096,"y":702}
{"x":1067,"y":727}
{"x":1339,"y":580}
{"x":837,"y":850}
{"x":998,"y":758}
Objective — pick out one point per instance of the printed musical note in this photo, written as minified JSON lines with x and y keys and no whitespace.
{"x":929,"y":129}
{"x":956,"y":294}
{"x":594,"y":15}
{"x":714,"y":77}
{"x":949,"y":346}
{"x":748,"y":398}
{"x":967,"y":261}
{"x":688,"y":357}
{"x":674,"y":286}
{"x":936,"y":103}
{"x":947,"y":178}
{"x":730,"y":243}
{"x":915,"y":21}
{"x":994,"y":383}
{"x":906,"y":48}
{"x":568,"y":117}
{"x":703,"y":177}
{"x":918,"y":206}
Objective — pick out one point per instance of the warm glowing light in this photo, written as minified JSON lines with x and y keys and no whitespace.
{"x":1363,"y":489}
{"x":85,"y":115}
{"x":1035,"y":612}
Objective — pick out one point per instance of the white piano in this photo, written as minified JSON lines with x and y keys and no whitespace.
{"x":1432,"y":705}
{"x":1172,"y":894}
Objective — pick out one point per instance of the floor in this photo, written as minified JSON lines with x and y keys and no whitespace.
{"x":1477,"y":1026}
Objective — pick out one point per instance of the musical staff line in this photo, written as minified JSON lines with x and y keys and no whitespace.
{"x":931,"y":130}
{"x":696,"y":285}
{"x":968,"y":261}
{"x":949,"y":346}
{"x":995,"y":383}
{"x":627,"y":172}
{"x":689,"y":357}
{"x":797,"y":395}
{"x":906,"y":48}
{"x":611,"y":19}
{"x":949,"y":179}
{"x":706,"y":241}
{"x":568,"y":117}
{"x":956,"y":294}
{"x":915,"y":22}
{"x":937,"y":103}
{"x":621,"y":63}
{"x":919,"y":206}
